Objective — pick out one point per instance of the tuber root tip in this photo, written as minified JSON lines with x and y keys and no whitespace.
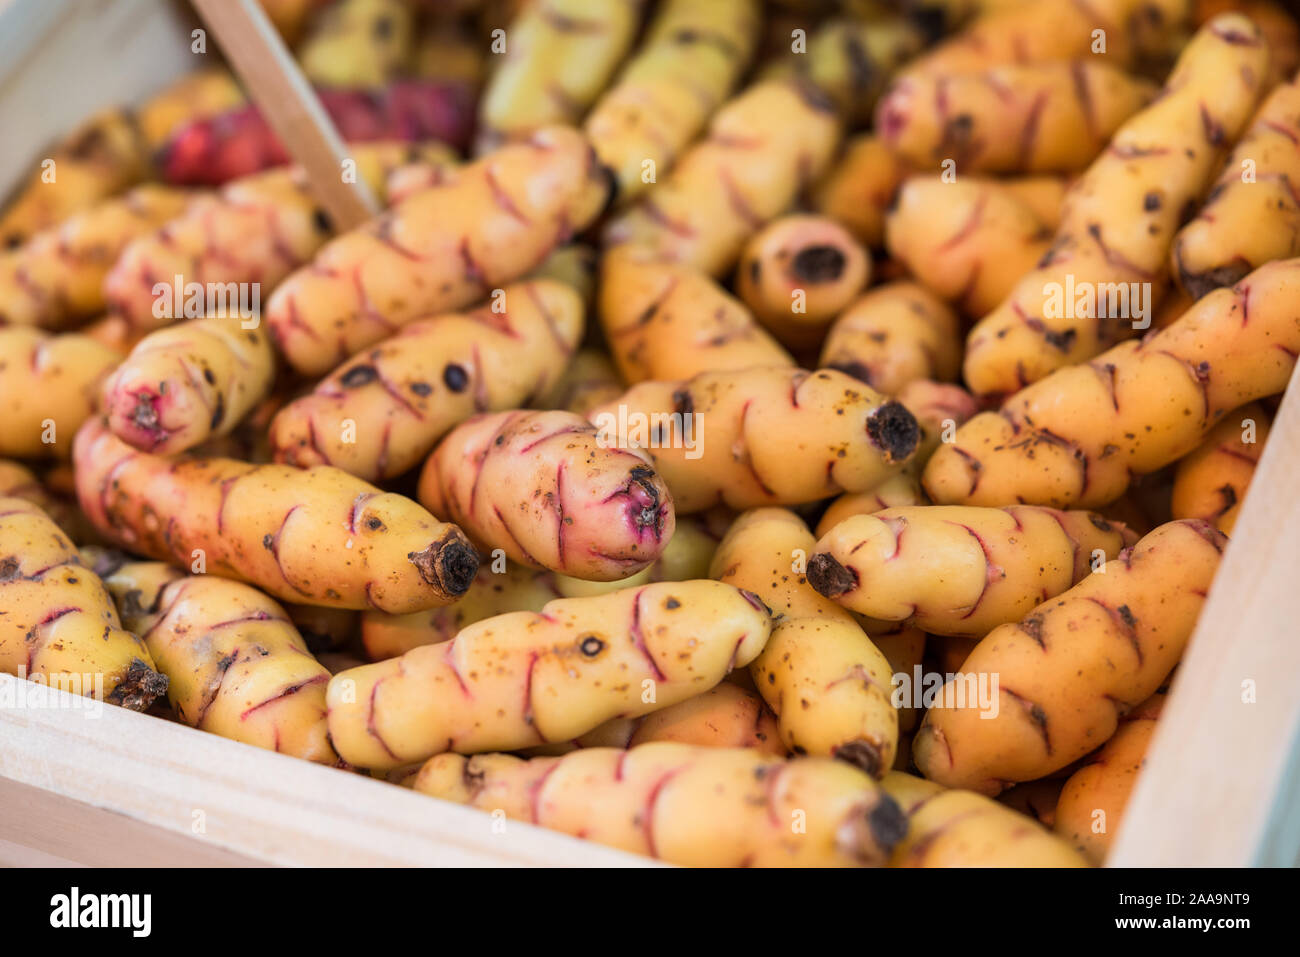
{"x":645,"y":507}
{"x":138,"y":687}
{"x":864,"y":755}
{"x":820,"y":263}
{"x":472,"y":776}
{"x":144,"y":415}
{"x":449,"y":564}
{"x":893,"y":429}
{"x":869,"y":834}
{"x":829,"y":577}
{"x":887,"y":822}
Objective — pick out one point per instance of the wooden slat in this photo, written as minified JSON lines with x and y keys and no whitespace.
{"x":1221,"y":785}
{"x":254,"y":803}
{"x":54,"y":831}
{"x":291,"y":107}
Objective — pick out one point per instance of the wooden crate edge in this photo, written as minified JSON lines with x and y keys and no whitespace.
{"x":266,"y":806}
{"x":1221,"y":785}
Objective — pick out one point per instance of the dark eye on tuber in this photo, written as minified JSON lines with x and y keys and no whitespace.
{"x":455,"y":377}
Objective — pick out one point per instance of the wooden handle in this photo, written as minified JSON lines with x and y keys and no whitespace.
{"x":1220,"y":786}
{"x":290,"y":106}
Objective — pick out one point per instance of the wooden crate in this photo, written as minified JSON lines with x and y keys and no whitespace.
{"x":1222,"y":785}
